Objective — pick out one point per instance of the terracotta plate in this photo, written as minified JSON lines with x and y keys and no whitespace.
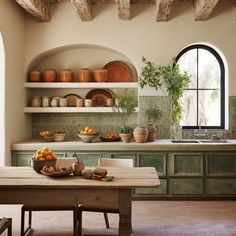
{"x":57,"y":173}
{"x":99,"y":97}
{"x":71,"y":99}
{"x":118,"y":71}
{"x":110,"y":139}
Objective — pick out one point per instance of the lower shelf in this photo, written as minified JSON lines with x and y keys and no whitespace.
{"x":70,"y":110}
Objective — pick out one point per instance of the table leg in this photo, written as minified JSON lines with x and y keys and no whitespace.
{"x":125,"y":212}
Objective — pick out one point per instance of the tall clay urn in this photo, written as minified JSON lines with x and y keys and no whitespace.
{"x":152,"y":132}
{"x":140,"y":134}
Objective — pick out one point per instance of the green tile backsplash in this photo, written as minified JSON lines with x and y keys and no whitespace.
{"x":112,"y":122}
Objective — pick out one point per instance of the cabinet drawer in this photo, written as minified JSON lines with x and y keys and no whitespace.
{"x":220,"y":164}
{"x":185,"y":186}
{"x":221,"y":186}
{"x":152,"y":191}
{"x":185,"y":164}
{"x":89,"y":159}
{"x":157,"y":160}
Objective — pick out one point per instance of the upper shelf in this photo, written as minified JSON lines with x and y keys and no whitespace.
{"x":80,"y":85}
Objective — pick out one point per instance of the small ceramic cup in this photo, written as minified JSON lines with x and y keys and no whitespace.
{"x":87,"y":102}
{"x":62,"y":102}
{"x":80,"y":102}
{"x":109,"y":102}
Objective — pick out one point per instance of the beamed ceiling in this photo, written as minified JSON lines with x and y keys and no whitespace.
{"x":40,"y":9}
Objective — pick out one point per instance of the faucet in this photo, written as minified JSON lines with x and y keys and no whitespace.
{"x":200,"y":133}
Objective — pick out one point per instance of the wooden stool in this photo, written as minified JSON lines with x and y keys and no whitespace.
{"x":6,"y":223}
{"x":77,"y":215}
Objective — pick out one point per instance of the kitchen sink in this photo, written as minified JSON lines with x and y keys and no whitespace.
{"x":212,"y":141}
{"x":184,"y":141}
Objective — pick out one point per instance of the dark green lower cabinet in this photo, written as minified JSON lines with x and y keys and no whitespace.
{"x":185,"y":186}
{"x":221,"y":186}
{"x":153,"y":191}
{"x":157,"y":160}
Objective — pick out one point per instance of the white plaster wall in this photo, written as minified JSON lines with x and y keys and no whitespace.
{"x":12,"y":27}
{"x":141,"y":36}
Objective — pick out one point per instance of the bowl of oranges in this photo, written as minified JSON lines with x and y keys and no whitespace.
{"x":87,"y":134}
{"x":43,"y":157}
{"x":46,"y":135}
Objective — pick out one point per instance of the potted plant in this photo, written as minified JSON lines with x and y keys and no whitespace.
{"x":171,"y":79}
{"x":125,"y":104}
{"x":126,"y":134}
{"x":152,"y":114}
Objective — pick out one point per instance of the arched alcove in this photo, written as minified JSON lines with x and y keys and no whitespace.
{"x":2,"y":101}
{"x":78,"y":56}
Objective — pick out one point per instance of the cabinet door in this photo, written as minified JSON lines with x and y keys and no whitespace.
{"x":89,"y":159}
{"x":221,"y":186}
{"x":185,"y":164}
{"x":185,"y":186}
{"x":157,"y":160}
{"x":22,"y":158}
{"x":153,"y":191}
{"x":221,"y":164}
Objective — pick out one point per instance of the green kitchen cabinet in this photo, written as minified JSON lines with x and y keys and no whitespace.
{"x":224,"y":186}
{"x":185,"y":164}
{"x":185,"y":186}
{"x":221,"y":164}
{"x":161,"y":190}
{"x":157,"y":160}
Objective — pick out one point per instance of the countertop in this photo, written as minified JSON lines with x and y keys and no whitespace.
{"x":157,"y":145}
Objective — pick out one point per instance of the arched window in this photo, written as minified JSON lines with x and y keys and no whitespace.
{"x":2,"y":102}
{"x":204,"y":100}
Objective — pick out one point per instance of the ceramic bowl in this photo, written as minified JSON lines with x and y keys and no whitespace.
{"x":87,"y":138}
{"x":59,"y":136}
{"x":38,"y":165}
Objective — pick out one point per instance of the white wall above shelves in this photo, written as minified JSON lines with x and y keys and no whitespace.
{"x":70,"y":110}
{"x":76,"y":85}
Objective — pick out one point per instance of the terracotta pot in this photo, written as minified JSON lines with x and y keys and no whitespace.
{"x":126,"y":138}
{"x":101,"y":75}
{"x":49,"y":75}
{"x":140,"y":134}
{"x":152,"y":132}
{"x":66,"y":76}
{"x":35,"y":76}
{"x":78,"y":167}
{"x":85,"y":75}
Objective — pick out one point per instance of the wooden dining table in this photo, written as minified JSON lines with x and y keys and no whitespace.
{"x":22,"y":185}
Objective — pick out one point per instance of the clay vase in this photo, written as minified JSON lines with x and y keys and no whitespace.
{"x":35,"y":76}
{"x":152,"y":132}
{"x":140,"y":134}
{"x":66,"y":76}
{"x":101,"y":75}
{"x":126,"y":138}
{"x":78,"y":167}
{"x":49,"y":75}
{"x":85,"y":75}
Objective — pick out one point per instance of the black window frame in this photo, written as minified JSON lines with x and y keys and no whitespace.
{"x":222,"y":83}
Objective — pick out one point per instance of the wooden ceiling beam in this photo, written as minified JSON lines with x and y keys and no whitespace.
{"x":40,"y":10}
{"x":204,"y":8}
{"x":84,"y":9}
{"x":163,"y":9}
{"x":123,"y":7}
